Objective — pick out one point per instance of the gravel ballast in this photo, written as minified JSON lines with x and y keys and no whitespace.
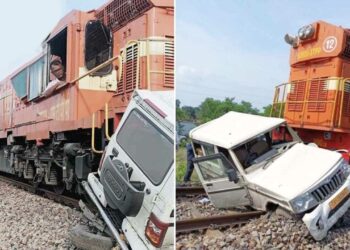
{"x":270,"y":231}
{"x":28,"y":221}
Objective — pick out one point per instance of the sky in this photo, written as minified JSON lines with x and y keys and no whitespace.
{"x":236,"y":48}
{"x":25,"y":24}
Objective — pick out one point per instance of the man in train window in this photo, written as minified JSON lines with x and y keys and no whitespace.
{"x":57,"y":69}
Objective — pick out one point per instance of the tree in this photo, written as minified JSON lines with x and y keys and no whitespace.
{"x":191,"y":112}
{"x":267,"y":110}
{"x":178,"y":103}
{"x":211,"y":108}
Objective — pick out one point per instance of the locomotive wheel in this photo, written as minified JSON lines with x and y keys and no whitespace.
{"x":59,"y":188}
{"x":82,"y":238}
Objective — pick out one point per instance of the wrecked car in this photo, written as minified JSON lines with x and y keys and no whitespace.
{"x":250,"y":160}
{"x":134,"y":186}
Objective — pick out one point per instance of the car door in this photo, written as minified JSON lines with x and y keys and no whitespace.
{"x":213,"y":172}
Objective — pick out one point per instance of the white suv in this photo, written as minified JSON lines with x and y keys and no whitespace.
{"x":249,"y":160}
{"x":134,"y":186}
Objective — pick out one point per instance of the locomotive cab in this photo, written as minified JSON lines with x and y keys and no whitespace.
{"x":315,"y":100}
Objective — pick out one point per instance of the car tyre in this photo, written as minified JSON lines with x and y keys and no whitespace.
{"x":280,"y":211}
{"x":82,"y":238}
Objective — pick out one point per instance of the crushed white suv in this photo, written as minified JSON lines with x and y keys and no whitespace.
{"x":250,"y":160}
{"x":134,"y":186}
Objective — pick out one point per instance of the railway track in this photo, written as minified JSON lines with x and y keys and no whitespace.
{"x":62,"y":199}
{"x":215,"y":221}
{"x":192,"y":190}
{"x":194,"y":224}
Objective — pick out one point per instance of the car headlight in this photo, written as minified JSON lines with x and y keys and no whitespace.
{"x":345,"y":169}
{"x":303,"y":203}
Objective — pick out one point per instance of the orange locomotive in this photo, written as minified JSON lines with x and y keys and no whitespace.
{"x":316,"y":100}
{"x":58,"y":110}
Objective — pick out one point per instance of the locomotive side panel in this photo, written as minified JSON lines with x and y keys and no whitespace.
{"x":55,"y":115}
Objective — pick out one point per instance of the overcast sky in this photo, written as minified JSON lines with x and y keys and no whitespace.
{"x":25,"y":24}
{"x":236,"y":49}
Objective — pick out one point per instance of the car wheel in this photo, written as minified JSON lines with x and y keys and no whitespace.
{"x":280,"y":211}
{"x":82,"y":238}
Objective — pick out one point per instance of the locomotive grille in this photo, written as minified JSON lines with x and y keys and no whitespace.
{"x":129,"y":76}
{"x":169,"y":64}
{"x":327,"y":189}
{"x":317,"y":95}
{"x":297,"y":93}
{"x":119,"y":12}
{"x":346,"y":52}
{"x":346,"y":101}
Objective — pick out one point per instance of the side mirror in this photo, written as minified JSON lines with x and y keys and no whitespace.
{"x":232,"y":175}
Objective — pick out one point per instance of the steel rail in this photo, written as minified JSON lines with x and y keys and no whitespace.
{"x":215,"y":221}
{"x":194,"y":190}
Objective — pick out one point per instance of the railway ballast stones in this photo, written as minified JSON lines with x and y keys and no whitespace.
{"x":269,"y":231}
{"x":28,"y":221}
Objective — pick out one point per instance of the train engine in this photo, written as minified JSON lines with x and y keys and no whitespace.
{"x":58,"y":110}
{"x":316,"y":100}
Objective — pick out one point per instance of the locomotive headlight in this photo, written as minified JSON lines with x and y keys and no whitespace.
{"x":306,"y":32}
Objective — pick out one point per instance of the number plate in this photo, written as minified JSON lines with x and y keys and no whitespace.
{"x":336,"y":200}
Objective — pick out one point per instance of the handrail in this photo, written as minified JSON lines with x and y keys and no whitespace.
{"x":93,"y":136}
{"x":106,"y":122}
{"x":335,"y":102}
{"x":277,"y":105}
{"x":342,"y":100}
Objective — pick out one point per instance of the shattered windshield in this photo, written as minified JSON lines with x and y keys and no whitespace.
{"x":265,"y":146}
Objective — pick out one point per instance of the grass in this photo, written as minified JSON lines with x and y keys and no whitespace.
{"x":181,"y":162}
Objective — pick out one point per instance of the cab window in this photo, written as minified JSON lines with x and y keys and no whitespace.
{"x":19,"y":83}
{"x":37,"y":77}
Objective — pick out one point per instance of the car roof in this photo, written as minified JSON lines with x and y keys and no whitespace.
{"x":233,"y":128}
{"x":164,"y":100}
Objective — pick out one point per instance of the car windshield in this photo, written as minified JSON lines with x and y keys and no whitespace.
{"x":147,"y":146}
{"x":264,"y":147}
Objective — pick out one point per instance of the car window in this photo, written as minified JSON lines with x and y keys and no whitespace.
{"x":213,"y":168}
{"x":208,"y":149}
{"x":253,"y":149}
{"x":147,"y":146}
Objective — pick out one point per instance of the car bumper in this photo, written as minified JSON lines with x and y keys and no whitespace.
{"x":325,"y":215}
{"x":97,"y":188}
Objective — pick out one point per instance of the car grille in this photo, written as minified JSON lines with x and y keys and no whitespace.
{"x":327,"y":189}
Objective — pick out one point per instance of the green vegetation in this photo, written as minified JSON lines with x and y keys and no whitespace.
{"x":181,"y":161}
{"x":211,"y":108}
